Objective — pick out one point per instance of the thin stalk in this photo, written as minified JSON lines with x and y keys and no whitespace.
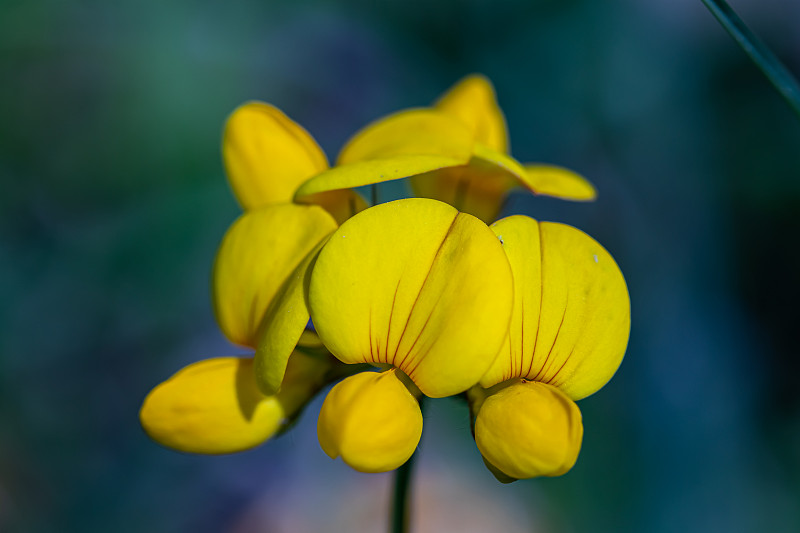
{"x":778,"y":75}
{"x":374,"y":190}
{"x":401,"y":515}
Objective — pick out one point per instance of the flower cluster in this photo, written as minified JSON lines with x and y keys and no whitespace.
{"x":402,"y":299}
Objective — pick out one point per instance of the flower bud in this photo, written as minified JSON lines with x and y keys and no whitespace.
{"x":371,"y":420}
{"x":529,"y":429}
{"x":214,"y":406}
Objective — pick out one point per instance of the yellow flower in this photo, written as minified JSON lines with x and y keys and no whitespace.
{"x":420,"y":290}
{"x":264,"y":258}
{"x":567,"y":337}
{"x":526,"y":317}
{"x":214,"y":407}
{"x":268,"y":156}
{"x":220,"y":405}
{"x":461,"y":144}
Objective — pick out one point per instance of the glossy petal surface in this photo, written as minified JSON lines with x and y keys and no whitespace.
{"x":371,"y":420}
{"x":529,"y":429}
{"x":412,"y":132}
{"x":559,"y":182}
{"x":283,"y":325}
{"x":571,"y":315}
{"x":416,"y":285}
{"x":267,"y":155}
{"x":473,"y":102}
{"x":258,"y":253}
{"x":213,"y":406}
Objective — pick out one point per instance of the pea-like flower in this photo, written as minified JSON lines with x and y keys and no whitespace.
{"x":425,"y":293}
{"x":567,"y":337}
{"x":456,"y":152}
{"x":216,"y":405}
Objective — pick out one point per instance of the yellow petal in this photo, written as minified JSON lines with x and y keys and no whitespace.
{"x":559,"y":182}
{"x":267,"y":155}
{"x":401,"y":145}
{"x":571,"y":316}
{"x":488,"y":156}
{"x":283,"y":325}
{"x":473,"y":102}
{"x":416,"y":285}
{"x":258,"y":253}
{"x":529,"y":429}
{"x":411,"y":132}
{"x":214,"y":407}
{"x":371,"y":420}
{"x":372,"y":171}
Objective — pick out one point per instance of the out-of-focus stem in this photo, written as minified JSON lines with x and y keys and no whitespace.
{"x":401,"y":515}
{"x":770,"y":66}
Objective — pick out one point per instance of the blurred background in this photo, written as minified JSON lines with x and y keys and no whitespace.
{"x":113,"y":201}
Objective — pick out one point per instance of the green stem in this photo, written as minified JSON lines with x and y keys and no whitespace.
{"x":770,"y":66}
{"x":374,"y":191}
{"x":401,"y":516}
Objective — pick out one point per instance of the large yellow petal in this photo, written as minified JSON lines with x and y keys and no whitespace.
{"x":478,"y":188}
{"x":559,"y":182}
{"x":417,"y":285}
{"x":473,"y":102}
{"x":214,"y":406}
{"x":258,"y":253}
{"x":529,"y":429}
{"x":283,"y":325}
{"x":401,"y":145}
{"x":411,"y":132}
{"x":371,"y":420}
{"x":571,"y":316}
{"x":267,"y":155}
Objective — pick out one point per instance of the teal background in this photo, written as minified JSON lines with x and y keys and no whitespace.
{"x":113,"y":200}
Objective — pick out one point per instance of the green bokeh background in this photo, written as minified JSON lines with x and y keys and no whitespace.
{"x":113,"y":200}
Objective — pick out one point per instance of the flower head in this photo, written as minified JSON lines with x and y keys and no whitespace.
{"x":410,"y":298}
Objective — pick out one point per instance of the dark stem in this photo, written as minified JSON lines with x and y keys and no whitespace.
{"x":374,"y":194}
{"x":770,"y":66}
{"x":401,"y":515}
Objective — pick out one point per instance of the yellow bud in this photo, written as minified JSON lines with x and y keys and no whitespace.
{"x":371,"y":420}
{"x":529,"y":429}
{"x":215,"y":407}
